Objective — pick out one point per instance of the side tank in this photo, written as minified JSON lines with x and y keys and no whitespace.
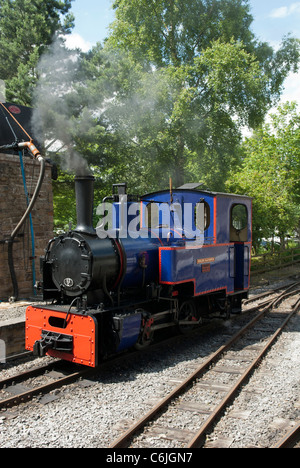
{"x":141,"y":261}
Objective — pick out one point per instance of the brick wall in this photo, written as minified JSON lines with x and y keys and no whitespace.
{"x":12,"y":208}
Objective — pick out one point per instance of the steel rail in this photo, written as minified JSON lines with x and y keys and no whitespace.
{"x":26,"y":375}
{"x":289,"y":439}
{"x":198,"y":438}
{"x":268,"y":293}
{"x":125,"y":438}
{"x":30,"y":393}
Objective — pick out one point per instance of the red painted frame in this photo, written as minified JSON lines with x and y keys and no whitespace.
{"x":83,"y":328}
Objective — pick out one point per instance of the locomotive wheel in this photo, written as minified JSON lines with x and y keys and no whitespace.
{"x":187,"y":317}
{"x":146,"y":336}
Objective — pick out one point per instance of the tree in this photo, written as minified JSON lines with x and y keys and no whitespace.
{"x":173,"y":32}
{"x":167,"y":94}
{"x":173,"y":121}
{"x":213,"y":77}
{"x":27,"y":28}
{"x":270,"y":173}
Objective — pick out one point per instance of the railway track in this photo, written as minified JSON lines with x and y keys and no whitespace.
{"x":23,"y":387}
{"x":291,"y":439}
{"x":16,"y":389}
{"x":260,"y":334}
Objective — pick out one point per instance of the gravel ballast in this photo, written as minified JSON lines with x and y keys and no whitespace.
{"x":93,"y":416}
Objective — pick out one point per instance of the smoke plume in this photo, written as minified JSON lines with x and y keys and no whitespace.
{"x":55,"y":105}
{"x":126,"y":110}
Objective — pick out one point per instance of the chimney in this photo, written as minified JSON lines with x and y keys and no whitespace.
{"x":84,"y":190}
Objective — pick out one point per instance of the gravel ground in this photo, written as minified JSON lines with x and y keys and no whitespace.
{"x":93,"y":416}
{"x":271,"y":400}
{"x":13,"y":311}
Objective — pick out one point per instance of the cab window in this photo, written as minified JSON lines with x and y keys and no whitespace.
{"x":239,"y":223}
{"x":202,"y":216}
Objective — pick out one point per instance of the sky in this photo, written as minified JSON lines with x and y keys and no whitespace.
{"x":273,"y":19}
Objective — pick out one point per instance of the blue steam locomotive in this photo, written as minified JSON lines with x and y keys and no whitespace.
{"x":167,"y":259}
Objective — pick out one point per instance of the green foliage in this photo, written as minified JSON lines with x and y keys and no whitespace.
{"x":167,"y":95}
{"x":174,"y":120}
{"x":27,"y":27}
{"x":208,"y":76}
{"x":270,"y":173}
{"x":64,"y":203}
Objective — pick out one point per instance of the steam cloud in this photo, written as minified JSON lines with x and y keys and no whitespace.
{"x":70,"y":104}
{"x":53,"y":116}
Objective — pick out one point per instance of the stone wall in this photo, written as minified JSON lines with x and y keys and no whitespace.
{"x":12,"y":207}
{"x":12,"y":338}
